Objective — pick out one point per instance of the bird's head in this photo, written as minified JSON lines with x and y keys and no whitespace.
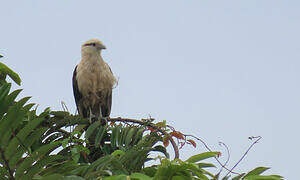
{"x":92,"y":46}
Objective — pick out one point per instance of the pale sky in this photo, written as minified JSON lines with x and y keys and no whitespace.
{"x":221,"y":70}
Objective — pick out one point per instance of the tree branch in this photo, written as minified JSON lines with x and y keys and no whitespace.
{"x":252,"y":137}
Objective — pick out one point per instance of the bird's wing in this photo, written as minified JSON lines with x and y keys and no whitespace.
{"x":106,"y":98}
{"x":106,"y":108}
{"x":109,"y":69}
{"x":78,"y":96}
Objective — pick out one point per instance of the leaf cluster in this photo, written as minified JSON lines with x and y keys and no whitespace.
{"x":59,"y":145}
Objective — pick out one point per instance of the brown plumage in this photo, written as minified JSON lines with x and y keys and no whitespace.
{"x":93,"y":82}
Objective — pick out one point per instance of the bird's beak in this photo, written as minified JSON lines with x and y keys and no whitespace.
{"x":102,"y":46}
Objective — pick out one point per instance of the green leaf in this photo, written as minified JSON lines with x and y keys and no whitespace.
{"x":258,"y":177}
{"x":129,"y":136}
{"x":21,"y":136}
{"x":91,"y":129}
{"x":53,"y":176}
{"x":118,"y":177}
{"x":6,"y":70}
{"x":73,"y":177}
{"x":11,"y":121}
{"x":8,"y":101}
{"x":202,"y":156}
{"x":45,"y":113}
{"x":205,"y":165}
{"x":37,"y":167}
{"x":22,"y":101}
{"x":75,"y":154}
{"x":187,"y":167}
{"x":138,"y":136}
{"x":118,"y":153}
{"x":102,"y":130}
{"x":53,"y":137}
{"x":162,"y":149}
{"x":257,"y":171}
{"x":113,"y":139}
{"x":238,"y":177}
{"x":180,"y":178}
{"x":3,"y":172}
{"x":4,"y":90}
{"x":60,"y":114}
{"x":150,"y":171}
{"x":39,"y":153}
{"x":15,"y":157}
{"x":118,"y":134}
{"x":140,"y":176}
{"x":64,"y":168}
{"x":27,"y":107}
{"x":100,"y":163}
{"x":123,"y":134}
{"x":208,"y":173}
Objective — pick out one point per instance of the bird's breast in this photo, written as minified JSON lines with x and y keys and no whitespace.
{"x":93,"y":77}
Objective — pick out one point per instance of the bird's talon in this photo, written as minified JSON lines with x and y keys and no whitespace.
{"x":103,"y":120}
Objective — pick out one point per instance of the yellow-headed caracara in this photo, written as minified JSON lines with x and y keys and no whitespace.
{"x":93,"y":82}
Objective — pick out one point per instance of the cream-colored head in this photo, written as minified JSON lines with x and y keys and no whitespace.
{"x":92,"y":46}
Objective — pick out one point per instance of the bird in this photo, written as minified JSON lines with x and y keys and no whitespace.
{"x":93,"y":82}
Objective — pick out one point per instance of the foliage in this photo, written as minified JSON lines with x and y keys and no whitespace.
{"x":4,"y":71}
{"x":58,"y":145}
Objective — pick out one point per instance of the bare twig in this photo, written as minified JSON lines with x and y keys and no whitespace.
{"x":228,"y":155}
{"x":206,"y":146}
{"x":251,"y":138}
{"x":64,"y":106}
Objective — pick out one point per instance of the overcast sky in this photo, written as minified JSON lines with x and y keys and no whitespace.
{"x":221,"y":70}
